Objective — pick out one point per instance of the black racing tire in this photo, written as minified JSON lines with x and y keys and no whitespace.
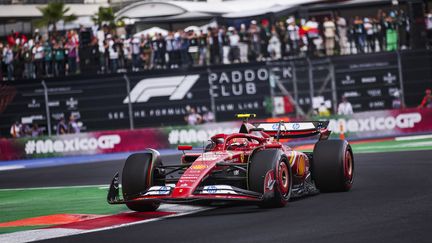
{"x":333,"y":166}
{"x":137,"y":176}
{"x":274,"y":162}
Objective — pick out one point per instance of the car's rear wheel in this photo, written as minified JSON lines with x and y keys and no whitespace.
{"x":269,"y":173}
{"x":138,"y":176}
{"x":333,"y":166}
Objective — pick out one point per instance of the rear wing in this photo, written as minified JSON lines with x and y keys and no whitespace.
{"x":295,"y":129}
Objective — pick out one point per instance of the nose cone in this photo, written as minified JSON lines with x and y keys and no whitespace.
{"x":182,"y":192}
{"x":194,"y":175}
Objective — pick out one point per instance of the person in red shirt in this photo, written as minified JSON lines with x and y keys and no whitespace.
{"x":427,"y":100}
{"x":12,"y":38}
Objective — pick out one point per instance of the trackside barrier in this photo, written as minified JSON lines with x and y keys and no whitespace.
{"x":358,"y":126}
{"x":385,"y":123}
{"x":115,"y":141}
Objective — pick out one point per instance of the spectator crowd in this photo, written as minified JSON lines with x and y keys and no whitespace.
{"x":22,"y":129}
{"x":195,"y":118}
{"x":38,"y":56}
{"x":28,"y":58}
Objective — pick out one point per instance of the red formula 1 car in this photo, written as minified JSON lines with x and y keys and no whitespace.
{"x":249,"y":166}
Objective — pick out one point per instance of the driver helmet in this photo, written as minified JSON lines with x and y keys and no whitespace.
{"x":239,"y":140}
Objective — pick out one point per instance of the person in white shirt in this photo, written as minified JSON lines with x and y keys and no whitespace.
{"x":274,"y":46}
{"x":38,"y":55}
{"x":113,"y":53}
{"x":234,"y":39}
{"x":345,"y":107}
{"x":293,"y":35}
{"x":135,"y":51}
{"x":193,"y":118}
{"x":330,"y":35}
{"x":342,"y":33}
{"x":101,"y":44}
{"x":8,"y":58}
{"x":244,"y":43}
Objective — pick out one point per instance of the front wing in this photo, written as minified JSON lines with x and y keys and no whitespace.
{"x":202,"y":194}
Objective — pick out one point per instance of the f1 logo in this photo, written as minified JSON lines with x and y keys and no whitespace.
{"x":175,"y":87}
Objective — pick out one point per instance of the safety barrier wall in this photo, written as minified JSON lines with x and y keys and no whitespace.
{"x":385,"y":123}
{"x":362,"y":125}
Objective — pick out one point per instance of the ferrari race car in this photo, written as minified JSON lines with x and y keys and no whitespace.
{"x":250,"y":166}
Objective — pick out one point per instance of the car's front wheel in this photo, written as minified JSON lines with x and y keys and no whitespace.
{"x":138,"y":176}
{"x":269,"y":173}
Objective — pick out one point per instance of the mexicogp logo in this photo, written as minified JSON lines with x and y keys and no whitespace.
{"x":72,"y":145}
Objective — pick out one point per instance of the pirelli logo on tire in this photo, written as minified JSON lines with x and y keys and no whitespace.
{"x":176,"y":88}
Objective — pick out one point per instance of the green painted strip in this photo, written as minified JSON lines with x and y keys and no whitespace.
{"x":393,"y":146}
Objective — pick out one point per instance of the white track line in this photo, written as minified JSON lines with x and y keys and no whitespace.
{"x":56,"y":187}
{"x":413,"y":137}
{"x":43,"y":234}
{"x":39,"y":234}
{"x":11,"y":167}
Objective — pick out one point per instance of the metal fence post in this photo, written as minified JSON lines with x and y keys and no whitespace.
{"x":131,"y":118}
{"x":212,"y":98}
{"x":333,"y":87}
{"x":401,"y":86}
{"x":293,"y":100}
{"x":272,"y":81}
{"x":311,"y":85}
{"x":295,"y":88}
{"x":48,"y":114}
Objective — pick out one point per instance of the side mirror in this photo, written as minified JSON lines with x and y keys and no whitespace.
{"x":184,"y":147}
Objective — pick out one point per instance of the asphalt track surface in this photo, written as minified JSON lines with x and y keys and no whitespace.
{"x":391,"y":201}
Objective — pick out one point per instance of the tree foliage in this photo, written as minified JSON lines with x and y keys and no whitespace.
{"x":105,"y":15}
{"x":53,"y":13}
